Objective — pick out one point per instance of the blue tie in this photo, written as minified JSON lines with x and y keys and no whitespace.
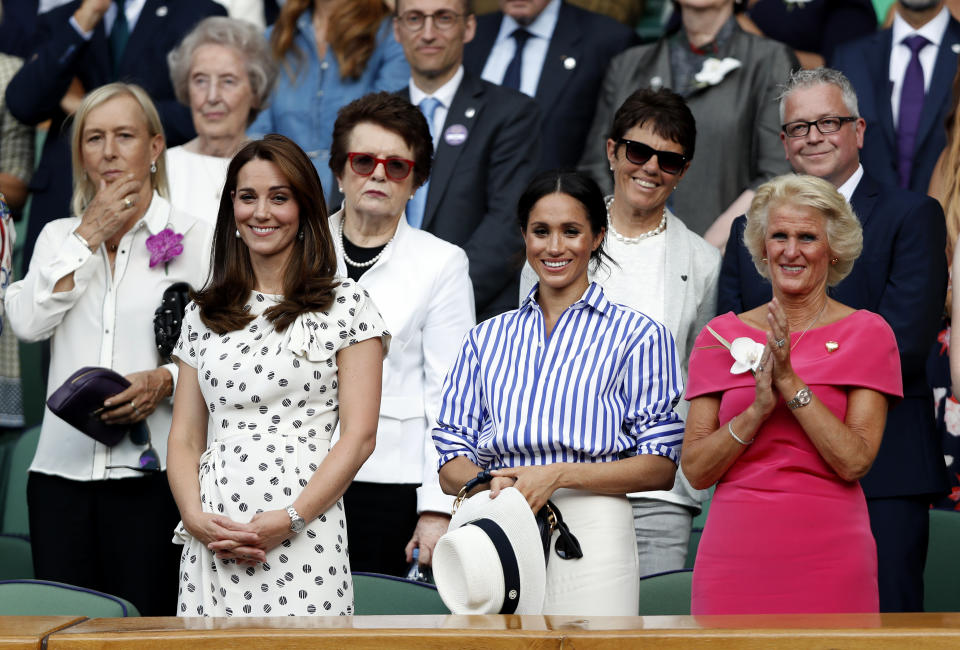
{"x":119,"y":35}
{"x":911,"y":106}
{"x":511,"y":78}
{"x":417,"y":205}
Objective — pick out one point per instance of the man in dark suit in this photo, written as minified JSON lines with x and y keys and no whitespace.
{"x":561,"y":65}
{"x":78,"y":48}
{"x":487,"y":144}
{"x":903,"y":77}
{"x":901,"y":275}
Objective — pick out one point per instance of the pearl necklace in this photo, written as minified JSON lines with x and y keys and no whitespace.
{"x":359,"y":265}
{"x":639,"y":238}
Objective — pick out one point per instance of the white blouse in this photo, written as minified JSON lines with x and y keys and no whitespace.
{"x":105,"y":320}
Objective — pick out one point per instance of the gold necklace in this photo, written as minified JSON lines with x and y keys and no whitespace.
{"x":812,"y":323}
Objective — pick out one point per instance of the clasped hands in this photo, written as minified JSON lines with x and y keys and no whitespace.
{"x":536,"y":483}
{"x":775,"y":373}
{"x":247,"y":543}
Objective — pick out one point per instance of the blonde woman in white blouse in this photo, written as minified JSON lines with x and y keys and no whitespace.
{"x":96,"y":519}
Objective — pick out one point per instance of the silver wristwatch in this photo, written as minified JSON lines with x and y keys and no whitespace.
{"x":297,"y":524}
{"x":802,"y":398}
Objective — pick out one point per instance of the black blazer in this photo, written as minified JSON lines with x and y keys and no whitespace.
{"x":60,"y":54}
{"x":475,"y":185}
{"x":901,"y":275}
{"x":567,"y":96}
{"x":866,"y":62}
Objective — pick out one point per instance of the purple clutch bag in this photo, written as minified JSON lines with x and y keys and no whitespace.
{"x":79,"y":402}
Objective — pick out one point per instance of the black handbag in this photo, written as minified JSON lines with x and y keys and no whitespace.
{"x":168,"y":317}
{"x":548,"y":519}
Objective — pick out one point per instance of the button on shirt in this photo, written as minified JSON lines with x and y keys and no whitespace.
{"x":900,"y":54}
{"x":603,"y":386}
{"x":534,"y":52}
{"x":105,"y":320}
{"x":310,"y":91}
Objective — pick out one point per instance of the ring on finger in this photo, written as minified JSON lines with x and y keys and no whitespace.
{"x":134,"y":407}
{"x":127,"y":203}
{"x":781,"y":342}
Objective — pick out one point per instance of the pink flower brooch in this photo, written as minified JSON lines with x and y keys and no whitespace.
{"x":164,"y":246}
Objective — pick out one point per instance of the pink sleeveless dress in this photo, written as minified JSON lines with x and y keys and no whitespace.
{"x":785,"y":533}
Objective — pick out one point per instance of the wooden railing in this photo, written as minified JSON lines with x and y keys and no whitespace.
{"x":870,"y":632}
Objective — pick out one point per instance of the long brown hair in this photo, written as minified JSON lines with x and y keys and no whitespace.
{"x":950,"y":181}
{"x":351,"y":32}
{"x":308,"y":282}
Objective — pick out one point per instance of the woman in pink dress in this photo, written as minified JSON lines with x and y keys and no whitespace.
{"x":788,"y":530}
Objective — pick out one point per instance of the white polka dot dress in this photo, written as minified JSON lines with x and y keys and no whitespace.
{"x":272,"y":399}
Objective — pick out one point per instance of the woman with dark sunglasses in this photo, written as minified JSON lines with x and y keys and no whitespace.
{"x":662,"y":269}
{"x":381,"y":154}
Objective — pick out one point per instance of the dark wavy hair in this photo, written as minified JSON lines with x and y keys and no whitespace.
{"x":308,"y":282}
{"x":577,"y":186}
{"x":393,"y":113}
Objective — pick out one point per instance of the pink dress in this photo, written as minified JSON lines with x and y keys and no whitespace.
{"x":785,"y":533}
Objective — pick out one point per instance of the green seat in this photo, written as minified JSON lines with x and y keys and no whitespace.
{"x":16,"y":558}
{"x":375,"y":594}
{"x":666,"y":594}
{"x":15,"y":518}
{"x":941,"y":578}
{"x":41,"y":598}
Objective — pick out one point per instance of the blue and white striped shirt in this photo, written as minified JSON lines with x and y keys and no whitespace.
{"x":603,"y":386}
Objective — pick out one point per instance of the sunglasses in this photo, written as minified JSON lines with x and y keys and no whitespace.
{"x":639,"y":153}
{"x":149,"y":460}
{"x":396,"y":169}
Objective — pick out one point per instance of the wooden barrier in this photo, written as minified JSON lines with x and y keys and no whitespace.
{"x":29,"y":631}
{"x":788,"y":632}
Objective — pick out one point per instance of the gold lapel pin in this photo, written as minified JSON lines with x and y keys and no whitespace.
{"x":831,"y":346}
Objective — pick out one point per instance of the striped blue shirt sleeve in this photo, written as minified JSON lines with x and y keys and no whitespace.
{"x":462,"y":411}
{"x":652,"y":386}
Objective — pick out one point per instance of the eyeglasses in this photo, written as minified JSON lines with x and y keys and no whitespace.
{"x":397,"y":169}
{"x":639,"y":153}
{"x":825,"y":125}
{"x":443,"y":20}
{"x":149,"y":460}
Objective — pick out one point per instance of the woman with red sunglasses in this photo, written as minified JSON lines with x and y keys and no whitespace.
{"x":381,"y":154}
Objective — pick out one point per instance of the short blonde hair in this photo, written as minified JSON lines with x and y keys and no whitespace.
{"x":83,"y":188}
{"x":844,"y":233}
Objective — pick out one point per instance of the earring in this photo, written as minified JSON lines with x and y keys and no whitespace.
{"x":835,"y":260}
{"x":763,"y":259}
{"x":236,"y":233}
{"x":153,"y":167}
{"x":300,"y":235}
{"x":340,"y":188}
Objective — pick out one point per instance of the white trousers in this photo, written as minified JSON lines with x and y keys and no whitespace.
{"x":605,"y":581}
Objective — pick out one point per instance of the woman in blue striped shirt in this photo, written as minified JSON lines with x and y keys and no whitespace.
{"x":571,"y":396}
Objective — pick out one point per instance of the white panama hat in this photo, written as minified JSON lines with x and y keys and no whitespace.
{"x":490,"y":561}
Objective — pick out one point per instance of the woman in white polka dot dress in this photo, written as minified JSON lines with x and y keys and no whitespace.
{"x":272,"y":352}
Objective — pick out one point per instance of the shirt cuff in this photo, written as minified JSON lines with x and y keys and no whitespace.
{"x":174,"y":371}
{"x":79,"y":30}
{"x":430,"y":498}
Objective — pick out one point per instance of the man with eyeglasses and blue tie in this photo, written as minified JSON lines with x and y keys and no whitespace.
{"x":486,"y":148}
{"x":901,"y":275}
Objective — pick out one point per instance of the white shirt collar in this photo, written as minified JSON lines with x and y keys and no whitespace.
{"x":444,"y":93}
{"x":541,"y":27}
{"x":850,"y":185}
{"x":157,"y":216}
{"x":933,"y":31}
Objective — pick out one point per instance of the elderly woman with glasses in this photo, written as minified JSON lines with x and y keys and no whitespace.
{"x":223,"y":71}
{"x":381,"y":153}
{"x":100,"y":517}
{"x":660,"y":268}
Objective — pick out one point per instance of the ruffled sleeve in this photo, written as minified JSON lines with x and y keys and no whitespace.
{"x":710,"y":362}
{"x":186,"y":347}
{"x":351,"y":318}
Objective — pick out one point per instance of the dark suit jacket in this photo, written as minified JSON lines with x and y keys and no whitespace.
{"x":474,"y":186}
{"x":867,"y":64}
{"x":567,"y":97}
{"x":60,"y":54}
{"x":901,"y":275}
